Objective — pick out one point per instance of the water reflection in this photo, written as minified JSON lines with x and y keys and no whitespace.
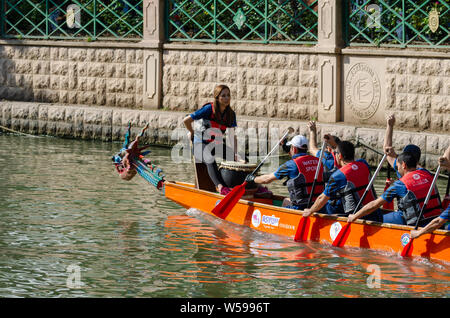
{"x":62,"y":204}
{"x":308,"y":269}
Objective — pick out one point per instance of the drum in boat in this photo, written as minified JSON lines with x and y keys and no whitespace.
{"x":234,"y":173}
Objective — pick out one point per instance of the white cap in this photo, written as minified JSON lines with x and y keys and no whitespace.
{"x":298,"y":141}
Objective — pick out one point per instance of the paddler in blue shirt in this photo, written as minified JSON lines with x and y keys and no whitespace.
{"x":300,"y":173}
{"x":346,"y":185}
{"x":410,"y":190}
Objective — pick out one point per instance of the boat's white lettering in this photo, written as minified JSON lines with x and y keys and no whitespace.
{"x":270,"y":220}
{"x":287,"y":226}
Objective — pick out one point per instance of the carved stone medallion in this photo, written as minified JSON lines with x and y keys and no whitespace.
{"x":362,"y":90}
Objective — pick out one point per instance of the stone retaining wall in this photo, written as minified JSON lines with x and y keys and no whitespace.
{"x":418,"y":91}
{"x":109,"y":124}
{"x":276,"y":85}
{"x":72,"y":75}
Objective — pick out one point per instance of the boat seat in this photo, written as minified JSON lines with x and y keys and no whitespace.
{"x":202,"y":179}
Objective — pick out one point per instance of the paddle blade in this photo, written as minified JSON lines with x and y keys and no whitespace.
{"x":302,"y":230}
{"x":340,"y":239}
{"x":227,"y":204}
{"x":407,"y":249}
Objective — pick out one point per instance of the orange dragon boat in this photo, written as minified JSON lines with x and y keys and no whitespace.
{"x":268,"y":216}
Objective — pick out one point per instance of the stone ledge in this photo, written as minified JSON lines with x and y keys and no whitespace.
{"x":110,"y":124}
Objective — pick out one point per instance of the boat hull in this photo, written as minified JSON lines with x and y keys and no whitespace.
{"x":262,"y":215}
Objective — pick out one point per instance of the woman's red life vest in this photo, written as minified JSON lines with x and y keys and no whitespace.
{"x":300,"y":187}
{"x":217,"y":129}
{"x":418,"y":183}
{"x":358,"y":177}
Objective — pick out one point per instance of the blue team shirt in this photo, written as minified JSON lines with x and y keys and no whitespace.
{"x":336,"y":182}
{"x":289,"y":168}
{"x":327,"y":160}
{"x":206,"y":112}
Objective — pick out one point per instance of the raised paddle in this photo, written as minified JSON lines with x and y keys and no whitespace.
{"x":388,"y":205}
{"x":302,"y":229}
{"x":227,"y":204}
{"x":408,"y":248}
{"x":340,"y":239}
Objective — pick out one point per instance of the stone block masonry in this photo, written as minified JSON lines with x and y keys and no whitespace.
{"x":110,"y":124}
{"x":276,"y":85}
{"x":355,"y":86}
{"x":72,"y":75}
{"x":418,"y":91}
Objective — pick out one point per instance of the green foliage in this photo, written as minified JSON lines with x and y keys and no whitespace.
{"x":265,"y":20}
{"x":100,"y":19}
{"x":401,"y":23}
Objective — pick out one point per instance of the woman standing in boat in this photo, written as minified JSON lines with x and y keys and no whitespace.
{"x":208,"y":140}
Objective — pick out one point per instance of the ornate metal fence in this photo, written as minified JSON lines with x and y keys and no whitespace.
{"x":72,"y":19}
{"x":260,"y":21}
{"x":401,"y":23}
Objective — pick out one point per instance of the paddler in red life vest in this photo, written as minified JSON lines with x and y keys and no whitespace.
{"x":410,"y":190}
{"x":346,"y":185}
{"x":299,"y":171}
{"x":329,"y":160}
{"x":443,"y":221}
{"x":208,"y":140}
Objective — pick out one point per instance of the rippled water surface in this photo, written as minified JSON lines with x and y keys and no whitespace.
{"x":69,"y":227}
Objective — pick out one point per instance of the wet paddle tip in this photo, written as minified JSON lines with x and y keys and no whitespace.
{"x":407,"y":250}
{"x":340,"y":239}
{"x":302,"y":230}
{"x":224,"y":207}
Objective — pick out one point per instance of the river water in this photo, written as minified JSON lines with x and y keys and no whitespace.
{"x":69,"y":227}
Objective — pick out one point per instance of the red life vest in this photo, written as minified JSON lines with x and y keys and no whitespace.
{"x":418,"y":183}
{"x":300,"y":187}
{"x":358,"y":177}
{"x":217,"y":129}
